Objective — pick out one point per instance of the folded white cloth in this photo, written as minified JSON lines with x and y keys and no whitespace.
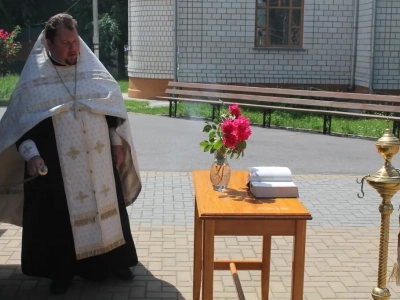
{"x":28,"y":150}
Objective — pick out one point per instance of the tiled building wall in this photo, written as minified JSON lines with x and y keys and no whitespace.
{"x":216,"y":44}
{"x":364,"y":32}
{"x":151,"y":39}
{"x":387,"y":46}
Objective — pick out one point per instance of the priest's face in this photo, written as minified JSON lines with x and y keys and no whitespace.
{"x":65,"y":47}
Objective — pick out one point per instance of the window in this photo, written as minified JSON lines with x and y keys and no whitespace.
{"x":279,"y":23}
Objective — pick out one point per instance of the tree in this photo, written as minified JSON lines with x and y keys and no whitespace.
{"x":29,"y":12}
{"x":119,"y":12}
{"x":111,"y":12}
{"x":109,"y":32}
{"x":113,"y":27}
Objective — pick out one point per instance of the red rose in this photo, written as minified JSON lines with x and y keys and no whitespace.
{"x":241,"y":123}
{"x":228,"y":127}
{"x":245,"y":134}
{"x":235,"y":110}
{"x":230,"y":140}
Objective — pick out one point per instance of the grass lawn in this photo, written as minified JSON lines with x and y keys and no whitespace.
{"x":124,"y":84}
{"x":358,"y":127}
{"x":7,"y":85}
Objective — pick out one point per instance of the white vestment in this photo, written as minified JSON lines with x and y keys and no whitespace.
{"x":45,"y":90}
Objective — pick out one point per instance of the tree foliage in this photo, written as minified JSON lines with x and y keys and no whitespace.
{"x":113,"y":21}
{"x":113,"y":29}
{"x":29,"y":12}
{"x":110,"y":34}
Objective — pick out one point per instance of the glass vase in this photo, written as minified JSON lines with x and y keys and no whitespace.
{"x":220,"y":171}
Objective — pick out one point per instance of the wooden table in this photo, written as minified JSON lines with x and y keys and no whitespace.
{"x":236,"y":212}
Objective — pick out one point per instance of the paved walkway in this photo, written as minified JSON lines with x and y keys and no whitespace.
{"x":152,"y":103}
{"x":341,"y":251}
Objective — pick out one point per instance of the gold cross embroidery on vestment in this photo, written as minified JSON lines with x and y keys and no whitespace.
{"x":81,"y":197}
{"x":99,"y":146}
{"x":73,"y":153}
{"x":105,"y":190}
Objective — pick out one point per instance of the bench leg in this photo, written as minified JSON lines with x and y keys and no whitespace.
{"x":176,"y":106}
{"x":327,"y":124}
{"x":269,"y":117}
{"x":172,"y":104}
{"x":396,"y":128}
{"x":216,"y":109}
{"x":265,"y":117}
{"x":170,"y":108}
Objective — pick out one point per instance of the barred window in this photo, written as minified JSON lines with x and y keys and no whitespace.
{"x":279,"y":23}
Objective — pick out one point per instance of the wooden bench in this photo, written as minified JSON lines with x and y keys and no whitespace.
{"x":326,"y":104}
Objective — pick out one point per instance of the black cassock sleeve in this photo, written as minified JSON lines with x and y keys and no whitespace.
{"x":111,"y":121}
{"x":43,"y":136}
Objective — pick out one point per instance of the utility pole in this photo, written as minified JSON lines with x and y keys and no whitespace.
{"x":95,"y":29}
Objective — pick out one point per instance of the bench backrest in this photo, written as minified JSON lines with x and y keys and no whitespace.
{"x":246,"y":94}
{"x":287,"y":92}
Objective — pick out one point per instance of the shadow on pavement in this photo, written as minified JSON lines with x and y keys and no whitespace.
{"x":14,"y":285}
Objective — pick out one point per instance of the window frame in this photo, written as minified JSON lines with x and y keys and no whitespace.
{"x":267,"y":8}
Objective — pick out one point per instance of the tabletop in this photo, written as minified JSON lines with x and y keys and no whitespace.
{"x":238,"y":202}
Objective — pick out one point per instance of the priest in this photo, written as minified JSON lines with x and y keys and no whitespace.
{"x":67,"y":114}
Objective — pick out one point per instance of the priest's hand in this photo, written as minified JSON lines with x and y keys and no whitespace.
{"x":34,"y":164}
{"x":118,"y":154}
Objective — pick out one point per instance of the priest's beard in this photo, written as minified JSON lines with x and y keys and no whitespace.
{"x":71,"y":61}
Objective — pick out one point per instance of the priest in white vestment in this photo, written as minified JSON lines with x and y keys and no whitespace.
{"x":67,"y":113}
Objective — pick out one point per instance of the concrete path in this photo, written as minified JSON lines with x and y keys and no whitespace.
{"x":152,"y":103}
{"x":342,"y":238}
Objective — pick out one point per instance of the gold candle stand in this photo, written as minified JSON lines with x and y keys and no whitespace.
{"x":386,"y":181}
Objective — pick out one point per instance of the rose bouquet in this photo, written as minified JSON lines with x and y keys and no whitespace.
{"x":228,"y":134}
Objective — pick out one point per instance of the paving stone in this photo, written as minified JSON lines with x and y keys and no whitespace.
{"x":341,"y":249}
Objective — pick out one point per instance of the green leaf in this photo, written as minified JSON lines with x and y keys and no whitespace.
{"x":207,"y":148}
{"x":204,"y":144}
{"x":211,"y":136}
{"x":218,"y":144}
{"x":207,"y":128}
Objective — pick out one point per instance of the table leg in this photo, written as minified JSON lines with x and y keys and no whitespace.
{"x":266,"y":267}
{"x":197,"y":253}
{"x":208,"y":260}
{"x":298,"y":263}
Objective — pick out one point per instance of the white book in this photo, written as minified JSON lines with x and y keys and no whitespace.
{"x":272,"y":182}
{"x":270,"y":174}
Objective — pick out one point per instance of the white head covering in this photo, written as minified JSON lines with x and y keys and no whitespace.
{"x":40,"y":94}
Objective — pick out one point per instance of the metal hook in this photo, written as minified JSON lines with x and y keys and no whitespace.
{"x":362,"y":186}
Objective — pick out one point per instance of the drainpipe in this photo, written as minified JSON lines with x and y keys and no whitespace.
{"x":354,"y":47}
{"x":371,"y":61}
{"x":95,"y":29}
{"x":175,"y":65}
